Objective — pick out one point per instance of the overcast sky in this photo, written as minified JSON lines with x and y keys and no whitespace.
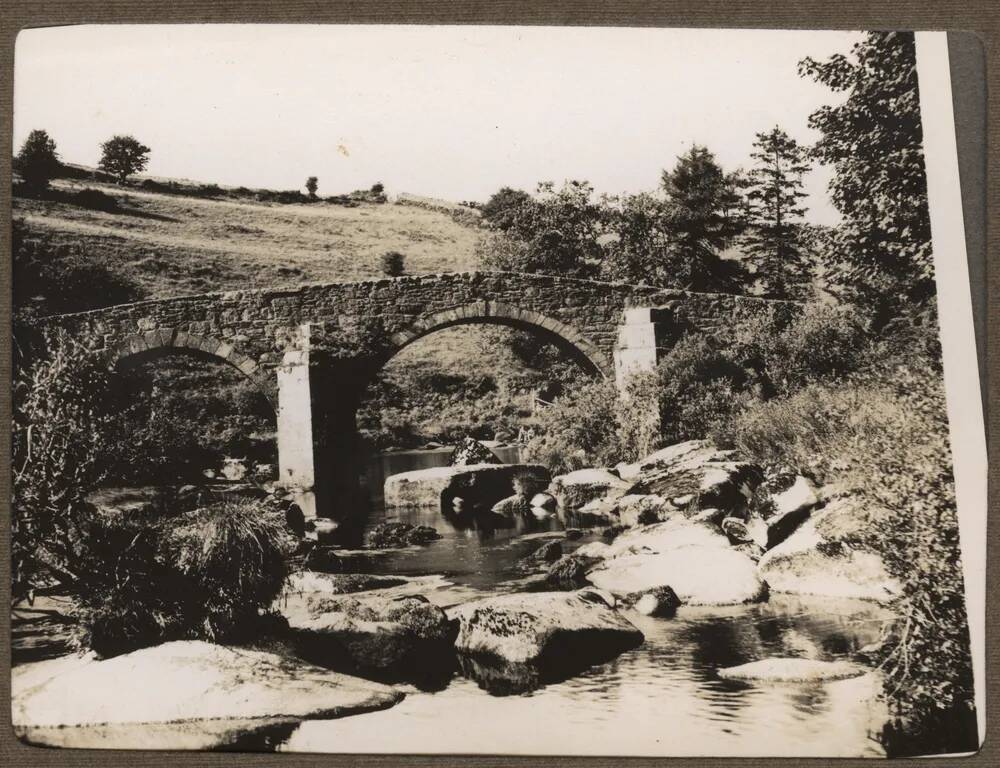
{"x":452,"y":112}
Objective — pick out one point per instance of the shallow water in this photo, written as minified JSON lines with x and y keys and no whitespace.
{"x":662,"y":698}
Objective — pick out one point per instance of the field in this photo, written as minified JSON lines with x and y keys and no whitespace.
{"x":174,"y":245}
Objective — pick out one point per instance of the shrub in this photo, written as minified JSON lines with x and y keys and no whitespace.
{"x":203,"y":574}
{"x":96,"y":200}
{"x":392,"y":263}
{"x":378,"y":189}
{"x":578,"y":430}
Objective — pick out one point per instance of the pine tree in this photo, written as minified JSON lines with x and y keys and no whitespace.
{"x":773,"y":240}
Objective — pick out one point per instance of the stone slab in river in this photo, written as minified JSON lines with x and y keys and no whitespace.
{"x":184,"y":681}
{"x":792,"y":670}
{"x":480,"y":483}
{"x":540,"y":627}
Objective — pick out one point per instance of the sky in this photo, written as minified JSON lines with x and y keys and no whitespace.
{"x":446,"y":111}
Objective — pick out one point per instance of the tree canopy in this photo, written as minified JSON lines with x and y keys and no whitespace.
{"x":874,"y":141}
{"x":37,"y":162}
{"x":121,"y":156}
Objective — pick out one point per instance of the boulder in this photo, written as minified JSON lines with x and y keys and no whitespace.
{"x":659,"y":602}
{"x":185,"y":681}
{"x":695,"y":560}
{"x":574,"y":489}
{"x":548,"y":552}
{"x":820,"y":558}
{"x":305,"y":582}
{"x":595,"y":550}
{"x":367,"y":632}
{"x":394,"y":534}
{"x":788,"y":510}
{"x":513,"y":506}
{"x":569,"y":571}
{"x":699,"y":476}
{"x":643,"y":509}
{"x":469,"y":451}
{"x":323,"y":558}
{"x":546,"y":629}
{"x":544,"y":501}
{"x":792,"y":670}
{"x":477,"y":484}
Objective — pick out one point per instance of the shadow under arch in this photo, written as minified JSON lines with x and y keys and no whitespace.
{"x":566,"y":338}
{"x":139,"y":349}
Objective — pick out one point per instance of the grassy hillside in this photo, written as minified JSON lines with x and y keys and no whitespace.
{"x":174,"y":244}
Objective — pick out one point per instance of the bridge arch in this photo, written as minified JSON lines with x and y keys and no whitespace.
{"x":562,"y":335}
{"x":139,"y":348}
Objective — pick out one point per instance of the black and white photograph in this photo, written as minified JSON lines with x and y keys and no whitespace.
{"x":493,"y":390}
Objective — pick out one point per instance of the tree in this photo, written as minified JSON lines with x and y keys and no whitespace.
{"x":37,"y":162}
{"x":121,"y":156}
{"x":698,"y":197}
{"x":554,"y":233}
{"x":312,"y":184}
{"x":774,"y":192}
{"x":392,"y":263}
{"x":874,"y":140}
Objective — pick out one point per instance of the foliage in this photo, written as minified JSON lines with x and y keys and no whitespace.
{"x":181,"y":415}
{"x":578,"y":430}
{"x":774,"y":192}
{"x":59,"y":454}
{"x":553,"y":233}
{"x":122,"y":156}
{"x":882,"y":434}
{"x":205,"y":574}
{"x":393,"y":263}
{"x":700,"y":200}
{"x":312,"y":184}
{"x":37,"y":161}
{"x":874,"y":141}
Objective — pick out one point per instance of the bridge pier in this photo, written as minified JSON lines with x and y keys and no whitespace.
{"x":643,"y":338}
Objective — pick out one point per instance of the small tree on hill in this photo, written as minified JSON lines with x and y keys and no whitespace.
{"x":392,"y":263}
{"x":37,"y":162}
{"x":312,"y":184}
{"x":121,"y":156}
{"x":774,"y":192}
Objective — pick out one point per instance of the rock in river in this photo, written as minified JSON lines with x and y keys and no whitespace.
{"x":397,"y":534}
{"x":476,"y":484}
{"x":370,"y":633}
{"x":792,"y":670}
{"x":693,"y":559}
{"x":574,"y":489}
{"x":544,"y":628}
{"x":823,"y":558}
{"x":185,"y":681}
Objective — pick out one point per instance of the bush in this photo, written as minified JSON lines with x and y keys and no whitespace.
{"x":392,"y":263}
{"x":204,"y":574}
{"x":37,"y":162}
{"x":96,"y":200}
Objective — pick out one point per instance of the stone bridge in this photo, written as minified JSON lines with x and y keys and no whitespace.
{"x":312,"y":350}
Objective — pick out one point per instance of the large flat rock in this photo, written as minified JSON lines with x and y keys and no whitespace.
{"x":475,"y":483}
{"x":792,"y":670}
{"x":575,"y":489}
{"x":185,"y":681}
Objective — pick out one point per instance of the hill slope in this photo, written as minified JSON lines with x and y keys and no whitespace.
{"x":173,"y":245}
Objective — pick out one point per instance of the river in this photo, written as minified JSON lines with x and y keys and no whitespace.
{"x":663,"y":698}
